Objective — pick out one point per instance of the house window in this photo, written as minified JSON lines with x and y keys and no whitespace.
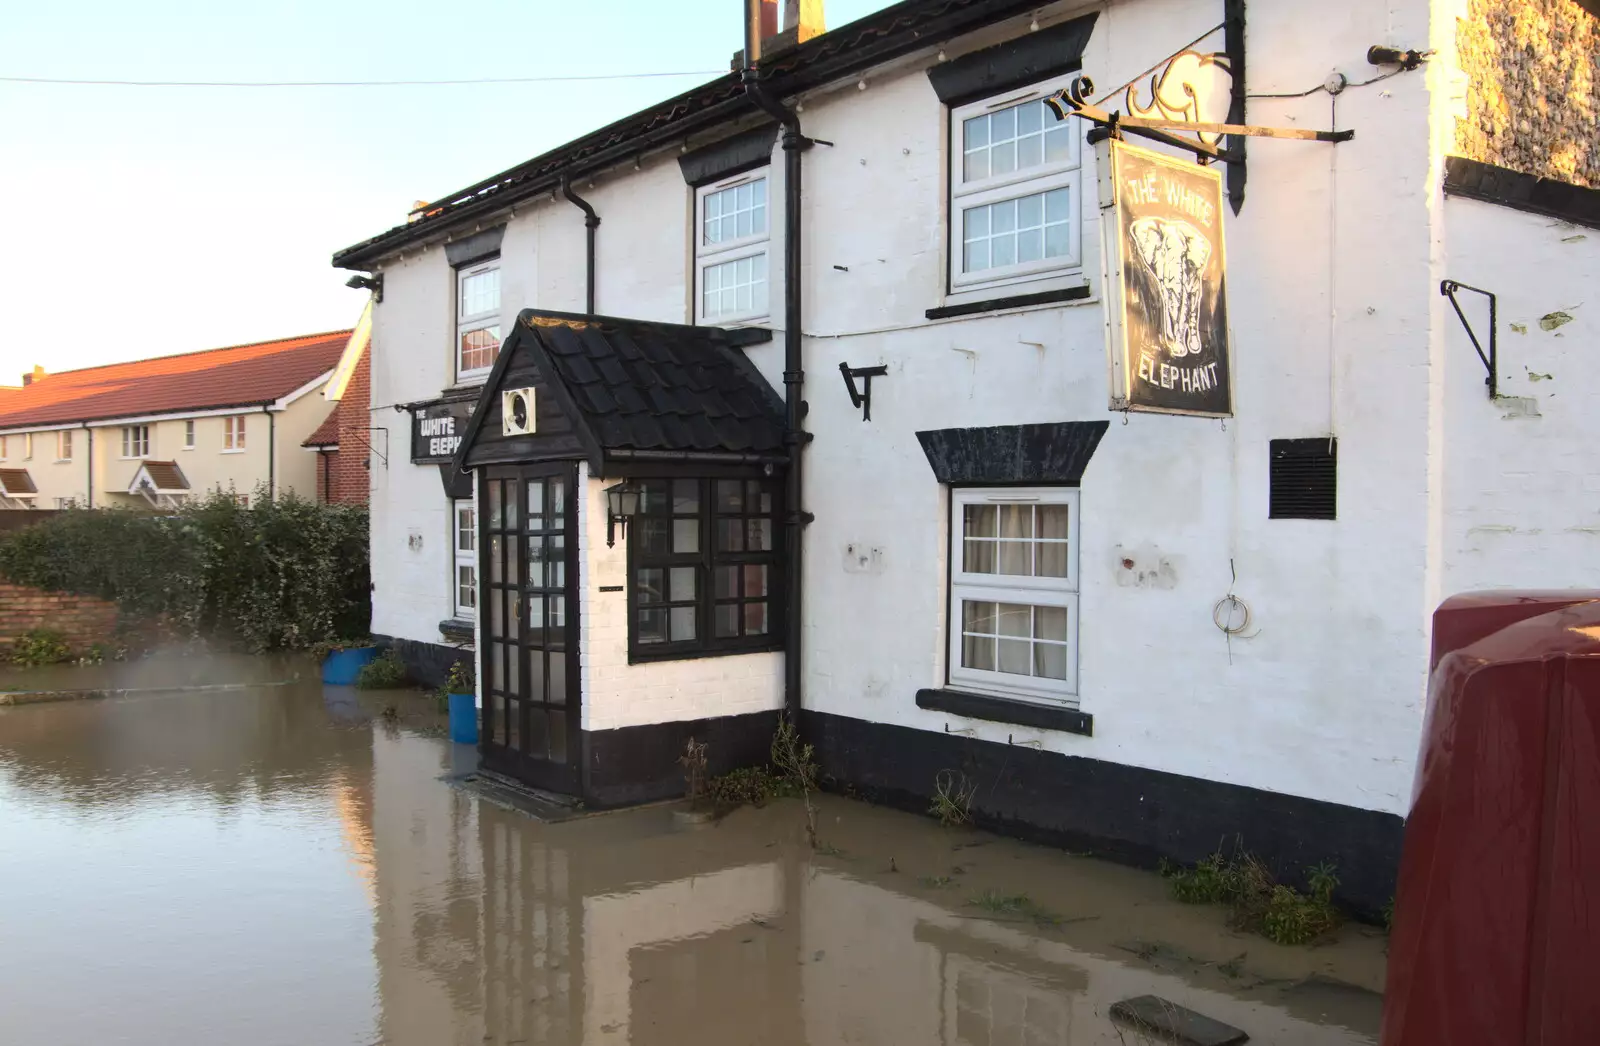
{"x":477,"y":319}
{"x":1015,"y":183}
{"x":731,"y":249}
{"x":704,"y":568}
{"x":136,"y":441}
{"x":66,"y":503}
{"x":1014,"y":592}
{"x":466,"y":558}
{"x":188,"y":434}
{"x":64,"y":445}
{"x":2,"y":448}
{"x":233,"y":433}
{"x":27,"y":446}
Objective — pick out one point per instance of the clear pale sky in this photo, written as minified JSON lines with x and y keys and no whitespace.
{"x":145,"y":221}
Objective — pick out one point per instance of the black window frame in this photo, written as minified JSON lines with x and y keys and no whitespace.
{"x":657,"y":507}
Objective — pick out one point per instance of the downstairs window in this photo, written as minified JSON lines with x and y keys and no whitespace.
{"x":704,"y":569}
{"x":1014,"y":592}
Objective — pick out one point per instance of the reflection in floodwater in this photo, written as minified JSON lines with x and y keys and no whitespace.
{"x":263,"y":867}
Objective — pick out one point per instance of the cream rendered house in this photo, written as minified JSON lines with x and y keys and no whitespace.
{"x":154,"y":433}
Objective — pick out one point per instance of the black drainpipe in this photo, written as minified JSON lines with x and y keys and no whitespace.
{"x":591,"y":222}
{"x":90,"y":488}
{"x":795,"y":436}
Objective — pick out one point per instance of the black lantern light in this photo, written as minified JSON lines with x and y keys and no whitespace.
{"x":622,"y":504}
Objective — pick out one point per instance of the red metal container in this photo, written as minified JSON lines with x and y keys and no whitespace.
{"x":1496,"y":938}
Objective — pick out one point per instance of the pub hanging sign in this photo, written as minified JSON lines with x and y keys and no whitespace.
{"x":1167,"y":305}
{"x":436,"y":430}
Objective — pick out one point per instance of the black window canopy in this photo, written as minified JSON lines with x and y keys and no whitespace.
{"x":729,"y":156}
{"x":1304,"y":478}
{"x":1039,"y":454}
{"x":1015,"y":63}
{"x":475,"y":248}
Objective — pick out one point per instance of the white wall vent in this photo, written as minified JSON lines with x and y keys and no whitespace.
{"x":516,"y":413}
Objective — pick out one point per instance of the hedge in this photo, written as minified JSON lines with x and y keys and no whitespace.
{"x":285,"y":573}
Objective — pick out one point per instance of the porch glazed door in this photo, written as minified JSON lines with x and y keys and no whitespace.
{"x":530,"y":595}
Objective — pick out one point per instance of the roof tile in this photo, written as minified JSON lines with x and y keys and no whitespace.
{"x":641,"y":385}
{"x":327,"y":434}
{"x":238,"y":376}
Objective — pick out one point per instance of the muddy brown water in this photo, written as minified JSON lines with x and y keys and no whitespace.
{"x":279,"y":866}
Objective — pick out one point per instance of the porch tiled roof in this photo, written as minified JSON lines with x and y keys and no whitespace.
{"x":327,"y":434}
{"x":238,"y":376}
{"x":16,"y":481}
{"x":640,"y":385}
{"x":166,"y":475}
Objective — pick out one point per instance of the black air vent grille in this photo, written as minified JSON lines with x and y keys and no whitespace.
{"x":1304,"y":477}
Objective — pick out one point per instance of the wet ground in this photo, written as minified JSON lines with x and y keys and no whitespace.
{"x":286,"y":865}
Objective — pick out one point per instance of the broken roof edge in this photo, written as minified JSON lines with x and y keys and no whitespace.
{"x":894,"y":32}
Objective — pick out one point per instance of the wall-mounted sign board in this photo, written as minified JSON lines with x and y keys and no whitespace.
{"x":436,"y":430}
{"x":1166,"y":300}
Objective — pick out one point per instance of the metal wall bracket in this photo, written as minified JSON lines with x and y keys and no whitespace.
{"x":1491,"y":361}
{"x":383,"y":455}
{"x":863,"y":397}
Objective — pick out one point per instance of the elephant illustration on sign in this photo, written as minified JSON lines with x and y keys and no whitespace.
{"x":1175,"y":253}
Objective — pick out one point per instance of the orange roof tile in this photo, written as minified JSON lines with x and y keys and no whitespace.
{"x":327,"y":433}
{"x":237,"y":376}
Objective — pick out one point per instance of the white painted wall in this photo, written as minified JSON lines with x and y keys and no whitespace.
{"x":617,"y":694}
{"x":412,"y":332}
{"x":1323,"y":699}
{"x":1522,"y":502}
{"x":1338,"y":329}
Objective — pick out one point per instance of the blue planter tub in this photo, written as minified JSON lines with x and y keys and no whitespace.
{"x":464,"y":719}
{"x":342,"y":665}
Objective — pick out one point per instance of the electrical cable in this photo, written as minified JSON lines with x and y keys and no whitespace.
{"x":352,"y":83}
{"x":1324,"y":86}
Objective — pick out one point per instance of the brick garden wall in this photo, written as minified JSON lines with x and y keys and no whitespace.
{"x":81,"y":619}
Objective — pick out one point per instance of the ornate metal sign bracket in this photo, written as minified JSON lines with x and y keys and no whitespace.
{"x":1175,"y":105}
{"x":863,"y":397}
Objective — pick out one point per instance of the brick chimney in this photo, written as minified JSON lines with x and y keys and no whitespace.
{"x":32,"y":376}
{"x":802,"y":20}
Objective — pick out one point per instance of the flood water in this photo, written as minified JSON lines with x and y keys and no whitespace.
{"x":271,"y":866}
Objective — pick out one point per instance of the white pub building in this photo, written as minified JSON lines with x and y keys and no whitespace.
{"x":929,"y":379}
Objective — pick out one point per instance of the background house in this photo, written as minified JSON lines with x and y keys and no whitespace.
{"x":155,"y":432}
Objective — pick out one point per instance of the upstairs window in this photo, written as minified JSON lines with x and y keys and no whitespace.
{"x":1015,"y":191}
{"x":477,"y":319}
{"x":233,"y":433}
{"x":27,"y":446}
{"x":136,"y":441}
{"x":188,"y":434}
{"x":64,"y":445}
{"x":731,"y":241}
{"x":704,"y":568}
{"x":1014,"y":592}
